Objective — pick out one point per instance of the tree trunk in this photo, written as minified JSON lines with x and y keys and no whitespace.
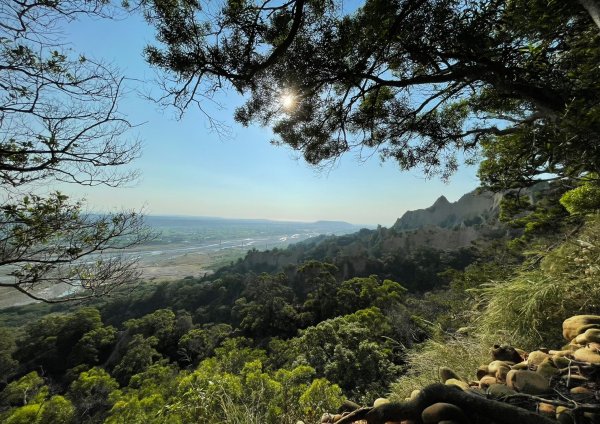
{"x":478,"y":409}
{"x":593,"y":8}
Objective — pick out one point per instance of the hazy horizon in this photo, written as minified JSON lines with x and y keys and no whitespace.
{"x":183,"y":216}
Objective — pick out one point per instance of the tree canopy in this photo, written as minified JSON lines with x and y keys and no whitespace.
{"x":59,"y":122}
{"x":425,"y":83}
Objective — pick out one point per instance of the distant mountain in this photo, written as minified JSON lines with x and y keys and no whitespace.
{"x":472,"y":208}
{"x":476,"y":207}
{"x":196,"y":221}
{"x":420,"y":245}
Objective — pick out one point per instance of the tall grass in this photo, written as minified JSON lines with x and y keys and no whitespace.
{"x":461,"y":354}
{"x":529,"y":308}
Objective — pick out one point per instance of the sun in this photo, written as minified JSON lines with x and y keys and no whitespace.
{"x":287,"y":100}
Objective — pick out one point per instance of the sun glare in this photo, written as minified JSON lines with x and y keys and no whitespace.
{"x":288,"y":100}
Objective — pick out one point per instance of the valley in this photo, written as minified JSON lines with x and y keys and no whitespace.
{"x":195,"y":246}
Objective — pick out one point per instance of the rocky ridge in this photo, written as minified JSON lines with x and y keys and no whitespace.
{"x":472,"y":208}
{"x":477,"y":207}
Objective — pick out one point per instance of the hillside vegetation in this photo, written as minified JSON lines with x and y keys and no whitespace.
{"x":276,"y":342}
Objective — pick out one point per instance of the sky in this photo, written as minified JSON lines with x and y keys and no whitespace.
{"x":186,"y":169}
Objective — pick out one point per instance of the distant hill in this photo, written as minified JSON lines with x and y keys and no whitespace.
{"x":472,"y":208}
{"x":444,"y":235}
{"x":476,"y":207}
{"x":203,"y":221}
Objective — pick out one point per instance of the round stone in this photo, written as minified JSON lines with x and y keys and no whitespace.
{"x":446,"y":373}
{"x":528,"y":382}
{"x":380,"y":401}
{"x":457,"y":383}
{"x":487,"y":381}
{"x":442,"y":411}
{"x":587,"y":355}
{"x":578,"y":324}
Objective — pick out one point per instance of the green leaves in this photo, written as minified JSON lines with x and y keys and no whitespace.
{"x":583,"y":199}
{"x":28,"y":389}
{"x":352,"y":352}
{"x":361,"y":293}
{"x":140,"y":355}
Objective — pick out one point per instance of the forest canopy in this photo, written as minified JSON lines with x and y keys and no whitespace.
{"x":425,"y":83}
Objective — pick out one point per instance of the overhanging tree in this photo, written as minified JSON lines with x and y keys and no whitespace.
{"x":421,"y":82}
{"x":59,"y":122}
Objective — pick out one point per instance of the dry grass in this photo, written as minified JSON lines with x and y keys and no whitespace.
{"x":461,"y":354}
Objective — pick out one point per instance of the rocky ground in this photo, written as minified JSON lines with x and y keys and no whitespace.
{"x":516,"y":387}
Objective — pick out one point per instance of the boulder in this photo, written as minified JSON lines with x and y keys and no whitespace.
{"x":506,"y":353}
{"x":587,"y":355}
{"x":536,"y":357}
{"x":442,"y":412}
{"x":457,"y":383}
{"x":446,"y":373}
{"x":575,"y":325}
{"x":528,"y":382}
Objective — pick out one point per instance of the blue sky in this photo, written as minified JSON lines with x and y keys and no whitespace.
{"x":188,"y":170}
